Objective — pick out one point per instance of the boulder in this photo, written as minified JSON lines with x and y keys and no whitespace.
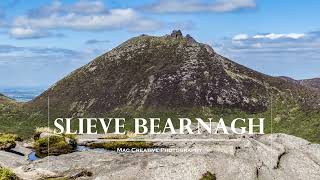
{"x":7,"y":146}
{"x":53,"y":144}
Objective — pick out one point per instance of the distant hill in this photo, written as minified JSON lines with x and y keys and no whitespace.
{"x":5,"y":100}
{"x":312,"y":83}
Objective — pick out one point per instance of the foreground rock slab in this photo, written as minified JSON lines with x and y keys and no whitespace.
{"x":276,"y":156}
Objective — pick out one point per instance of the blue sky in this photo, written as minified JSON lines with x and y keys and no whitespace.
{"x":42,"y":41}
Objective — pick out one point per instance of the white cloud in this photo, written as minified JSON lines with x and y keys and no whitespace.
{"x":22,"y":32}
{"x":291,"y":54}
{"x":189,"y":6}
{"x":279,"y":36}
{"x":82,"y":15}
{"x":27,"y":33}
{"x":271,"y":43}
{"x":231,"y":5}
{"x":240,"y":37}
{"x":114,"y":19}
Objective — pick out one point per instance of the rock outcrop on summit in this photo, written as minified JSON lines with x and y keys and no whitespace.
{"x":172,"y":71}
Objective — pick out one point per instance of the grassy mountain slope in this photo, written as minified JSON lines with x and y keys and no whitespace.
{"x":16,"y":119}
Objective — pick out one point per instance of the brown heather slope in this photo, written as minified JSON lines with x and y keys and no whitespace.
{"x":5,"y":100}
{"x":168,"y":72}
{"x":312,"y":83}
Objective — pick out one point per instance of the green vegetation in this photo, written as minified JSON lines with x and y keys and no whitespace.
{"x":208,"y":176}
{"x":120,"y":136}
{"x":39,"y":130}
{"x":122,"y":144}
{"x":18,"y":120}
{"x":7,"y":141}
{"x":7,"y":174}
{"x":5,"y":138}
{"x":53,"y":145}
{"x":129,"y":134}
{"x":287,"y":117}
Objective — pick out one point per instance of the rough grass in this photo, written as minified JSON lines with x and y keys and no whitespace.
{"x":52,"y":145}
{"x":122,"y":144}
{"x":7,"y":138}
{"x":208,"y":176}
{"x":129,"y":134}
{"x":7,"y":141}
{"x":40,"y":130}
{"x":115,"y":136}
{"x":7,"y":174}
{"x":17,"y":120}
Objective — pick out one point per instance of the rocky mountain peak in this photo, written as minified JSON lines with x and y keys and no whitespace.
{"x":151,"y":72}
{"x":176,"y":34}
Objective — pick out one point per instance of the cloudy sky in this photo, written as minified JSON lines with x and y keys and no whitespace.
{"x":42,"y":41}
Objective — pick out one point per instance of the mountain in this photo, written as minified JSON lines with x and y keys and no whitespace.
{"x":5,"y":100}
{"x":167,"y":72}
{"x":170,"y":76}
{"x":289,"y":79}
{"x":312,"y":83}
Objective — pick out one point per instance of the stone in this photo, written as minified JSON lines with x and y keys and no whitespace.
{"x":7,"y":146}
{"x":234,"y":157}
{"x":190,"y":38}
{"x":176,"y":34}
{"x":11,"y":160}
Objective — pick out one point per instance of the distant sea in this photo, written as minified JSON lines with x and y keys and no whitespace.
{"x":22,"y":94}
